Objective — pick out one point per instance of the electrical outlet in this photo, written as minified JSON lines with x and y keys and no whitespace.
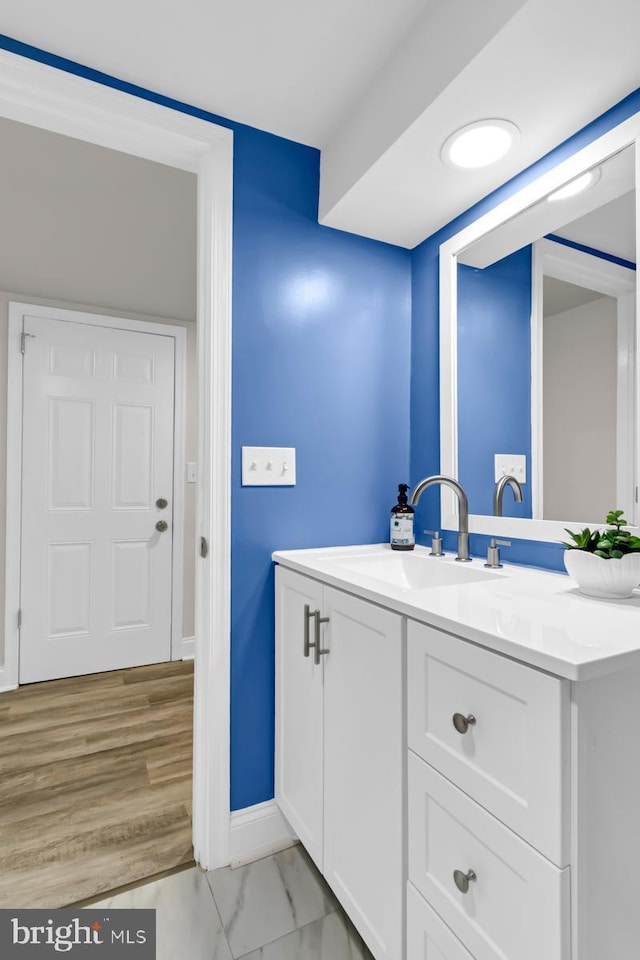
{"x":268,"y":466}
{"x":511,"y":464}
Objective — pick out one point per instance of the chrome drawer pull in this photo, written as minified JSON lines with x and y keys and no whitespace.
{"x":462,"y":880}
{"x":462,"y":723}
{"x":318,"y":644}
{"x":307,"y":617}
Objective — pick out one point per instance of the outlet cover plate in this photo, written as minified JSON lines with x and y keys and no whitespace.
{"x":512,"y":464}
{"x":268,"y":466}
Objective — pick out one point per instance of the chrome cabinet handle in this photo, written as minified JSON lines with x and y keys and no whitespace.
{"x":462,"y":880}
{"x":161,"y":526}
{"x":319,"y":652}
{"x":307,"y":617}
{"x":462,"y":723}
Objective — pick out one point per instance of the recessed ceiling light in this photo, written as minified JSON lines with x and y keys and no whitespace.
{"x":480,"y":143}
{"x":583,"y":182}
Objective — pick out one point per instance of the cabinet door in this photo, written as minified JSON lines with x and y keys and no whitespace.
{"x":299,"y":713}
{"x":364,"y":767}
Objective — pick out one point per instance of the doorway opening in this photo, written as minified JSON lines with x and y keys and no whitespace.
{"x":45,"y":97}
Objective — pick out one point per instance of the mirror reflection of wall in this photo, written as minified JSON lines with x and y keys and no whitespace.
{"x":579,"y":412}
{"x":546,"y":353}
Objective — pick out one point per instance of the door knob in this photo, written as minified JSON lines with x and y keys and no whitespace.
{"x":161,"y":503}
{"x":161,"y":526}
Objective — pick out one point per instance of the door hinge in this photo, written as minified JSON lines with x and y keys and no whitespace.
{"x":19,"y":619}
{"x":204,"y":547}
{"x":23,"y":340}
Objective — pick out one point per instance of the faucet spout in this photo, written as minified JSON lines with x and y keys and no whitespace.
{"x":498,"y":493}
{"x":463,"y":503}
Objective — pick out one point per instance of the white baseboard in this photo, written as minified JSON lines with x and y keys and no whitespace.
{"x":257,"y":832}
{"x":187,"y":652}
{"x":188,"y":648}
{"x":5,"y":686}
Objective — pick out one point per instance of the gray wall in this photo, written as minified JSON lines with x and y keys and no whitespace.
{"x":87,"y":228}
{"x":580,"y":412}
{"x":88,"y":225}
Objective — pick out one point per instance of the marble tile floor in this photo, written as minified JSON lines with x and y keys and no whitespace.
{"x":278,"y":908}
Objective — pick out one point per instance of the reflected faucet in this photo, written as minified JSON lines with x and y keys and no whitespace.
{"x":463,"y":527}
{"x":498,"y":493}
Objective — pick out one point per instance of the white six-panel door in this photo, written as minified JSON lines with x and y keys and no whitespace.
{"x":98,"y":408}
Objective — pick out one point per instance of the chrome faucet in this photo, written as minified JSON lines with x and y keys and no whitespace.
{"x":498,"y":493}
{"x":463,"y":528}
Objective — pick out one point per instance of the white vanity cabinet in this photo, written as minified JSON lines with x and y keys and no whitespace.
{"x":467,"y":780}
{"x":340,"y":749}
{"x":537,"y":793}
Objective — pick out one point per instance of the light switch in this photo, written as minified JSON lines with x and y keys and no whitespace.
{"x":268,"y":466}
{"x":192,"y":472}
{"x":511,"y":464}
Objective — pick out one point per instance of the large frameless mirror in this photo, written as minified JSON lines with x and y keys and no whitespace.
{"x":538,"y":352}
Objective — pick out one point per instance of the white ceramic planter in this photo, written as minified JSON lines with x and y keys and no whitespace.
{"x":607,"y":579}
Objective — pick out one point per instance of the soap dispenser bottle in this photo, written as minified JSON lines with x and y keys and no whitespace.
{"x":402,"y":535}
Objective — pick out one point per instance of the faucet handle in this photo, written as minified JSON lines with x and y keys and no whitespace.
{"x":436,"y":543}
{"x":493,"y":553}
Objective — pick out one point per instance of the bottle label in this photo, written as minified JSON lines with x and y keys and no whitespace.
{"x":402,"y":529}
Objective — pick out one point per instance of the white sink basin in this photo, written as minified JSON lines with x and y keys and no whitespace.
{"x":411,"y":571}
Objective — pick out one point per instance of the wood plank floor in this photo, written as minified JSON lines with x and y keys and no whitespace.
{"x":95,"y":783}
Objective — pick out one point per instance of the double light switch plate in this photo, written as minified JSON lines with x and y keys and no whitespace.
{"x":268,"y":466}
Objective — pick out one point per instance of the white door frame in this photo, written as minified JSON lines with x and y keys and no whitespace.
{"x":52,"y":99}
{"x":13,"y":530}
{"x":552,"y":259}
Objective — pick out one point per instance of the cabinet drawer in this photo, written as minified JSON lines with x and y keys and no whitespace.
{"x":514,"y":756}
{"x":517,"y":907}
{"x":428,"y":938}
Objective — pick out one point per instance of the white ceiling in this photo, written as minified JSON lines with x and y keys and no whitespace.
{"x":377,"y":85}
{"x":287,"y":66}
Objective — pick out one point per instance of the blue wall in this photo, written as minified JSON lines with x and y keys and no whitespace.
{"x":494,"y":360}
{"x":425,"y":406}
{"x":321,"y":361}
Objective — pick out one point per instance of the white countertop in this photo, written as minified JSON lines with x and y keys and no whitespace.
{"x":538,"y":618}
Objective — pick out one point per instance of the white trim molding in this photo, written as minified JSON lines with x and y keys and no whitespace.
{"x":188,"y":648}
{"x":5,"y":685}
{"x":52,"y":99}
{"x":259,"y":831}
{"x":624,"y":135}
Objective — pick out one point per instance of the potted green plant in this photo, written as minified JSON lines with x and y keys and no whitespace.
{"x":604,"y":564}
